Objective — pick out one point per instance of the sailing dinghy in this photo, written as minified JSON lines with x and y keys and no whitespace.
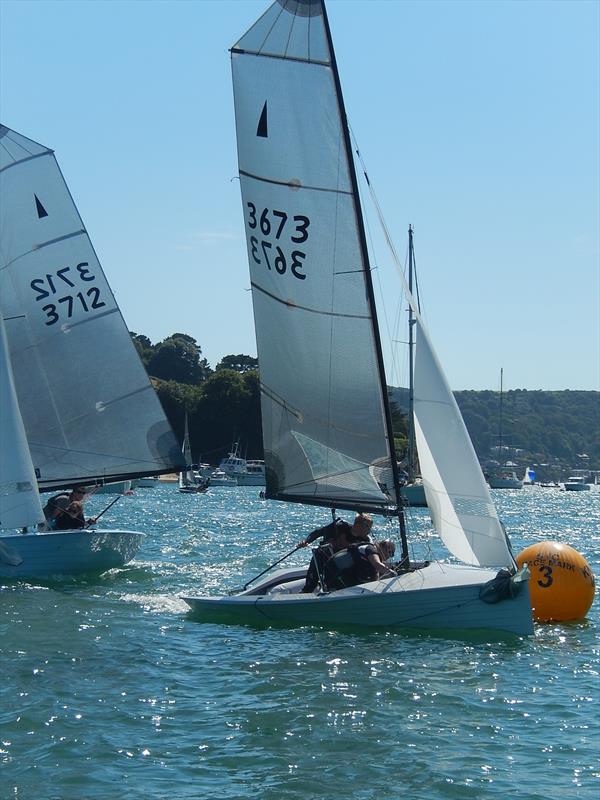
{"x":412,"y":492}
{"x":77,"y":405}
{"x":187,"y":482}
{"x":326,"y":421}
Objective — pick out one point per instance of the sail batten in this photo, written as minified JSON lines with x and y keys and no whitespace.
{"x":293,"y":184}
{"x":320,"y":311}
{"x":239,"y":52}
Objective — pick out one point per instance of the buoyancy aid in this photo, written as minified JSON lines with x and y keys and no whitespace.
{"x":350,"y":567}
{"x":55,"y":503}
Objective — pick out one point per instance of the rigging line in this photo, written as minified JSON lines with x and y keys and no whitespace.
{"x":394,"y":358}
{"x":292,"y":184}
{"x":409,"y":295}
{"x":318,"y":311}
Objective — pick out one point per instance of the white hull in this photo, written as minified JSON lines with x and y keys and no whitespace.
{"x":248,"y":479}
{"x":505,"y":483}
{"x":438,"y":597}
{"x":222,"y":482}
{"x":66,"y":553}
{"x":147,"y":483}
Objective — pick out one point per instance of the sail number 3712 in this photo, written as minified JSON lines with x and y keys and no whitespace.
{"x":276,"y":228}
{"x":59,"y":283}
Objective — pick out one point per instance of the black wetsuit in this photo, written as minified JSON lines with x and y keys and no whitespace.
{"x":321,"y":555}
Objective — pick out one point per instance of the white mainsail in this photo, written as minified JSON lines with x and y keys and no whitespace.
{"x":87,"y":404}
{"x":315,"y":333}
{"x":186,"y":477}
{"x":323,"y":404}
{"x":20,"y":505}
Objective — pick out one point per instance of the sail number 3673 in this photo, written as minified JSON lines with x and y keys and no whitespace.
{"x":59,"y":283}
{"x":278,"y":226}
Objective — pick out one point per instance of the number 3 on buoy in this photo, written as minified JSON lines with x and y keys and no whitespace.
{"x":562,"y":583}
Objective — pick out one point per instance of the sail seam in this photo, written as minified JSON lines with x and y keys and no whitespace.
{"x":306,"y":308}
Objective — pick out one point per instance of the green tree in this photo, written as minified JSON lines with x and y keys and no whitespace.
{"x":239,"y":363}
{"x":222,"y":408}
{"x":178,"y":358}
{"x":144,"y":347}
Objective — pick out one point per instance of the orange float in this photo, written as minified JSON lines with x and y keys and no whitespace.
{"x":562,"y":584}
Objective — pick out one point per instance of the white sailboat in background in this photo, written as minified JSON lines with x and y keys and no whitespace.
{"x":413,"y":491}
{"x":505,"y":476}
{"x":73,"y":387}
{"x":326,"y":421}
{"x":187,"y":480}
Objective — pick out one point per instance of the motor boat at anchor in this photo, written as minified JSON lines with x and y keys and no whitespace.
{"x":253,"y":474}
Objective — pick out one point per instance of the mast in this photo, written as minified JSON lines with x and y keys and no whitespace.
{"x":369,"y":284}
{"x":500,"y":420}
{"x":411,"y":387}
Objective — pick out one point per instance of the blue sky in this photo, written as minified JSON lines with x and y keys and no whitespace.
{"x":478,"y":122}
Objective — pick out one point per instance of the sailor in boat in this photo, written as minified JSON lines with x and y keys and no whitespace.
{"x":339,"y":529}
{"x":359,"y":563}
{"x":338,"y":535}
{"x":62,"y":514}
{"x":72,"y":518}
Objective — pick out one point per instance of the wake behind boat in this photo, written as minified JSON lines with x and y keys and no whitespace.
{"x":77,"y":404}
{"x":327,"y":431}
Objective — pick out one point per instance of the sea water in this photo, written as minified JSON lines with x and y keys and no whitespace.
{"x":109,"y":689}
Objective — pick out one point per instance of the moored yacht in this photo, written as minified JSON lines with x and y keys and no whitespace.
{"x":253,"y":475}
{"x":576,"y":483}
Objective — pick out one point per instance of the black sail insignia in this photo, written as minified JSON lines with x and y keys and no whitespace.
{"x":263,"y":128}
{"x":41,"y":211}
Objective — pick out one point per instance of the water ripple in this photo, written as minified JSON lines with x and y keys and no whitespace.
{"x":109,"y":686}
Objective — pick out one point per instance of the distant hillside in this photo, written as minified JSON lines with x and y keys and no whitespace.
{"x":553,"y":431}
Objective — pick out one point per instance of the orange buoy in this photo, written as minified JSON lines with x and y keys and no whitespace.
{"x":562,"y":584}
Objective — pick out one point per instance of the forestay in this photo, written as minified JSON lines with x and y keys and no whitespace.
{"x":323,"y":412}
{"x":87,"y":404}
